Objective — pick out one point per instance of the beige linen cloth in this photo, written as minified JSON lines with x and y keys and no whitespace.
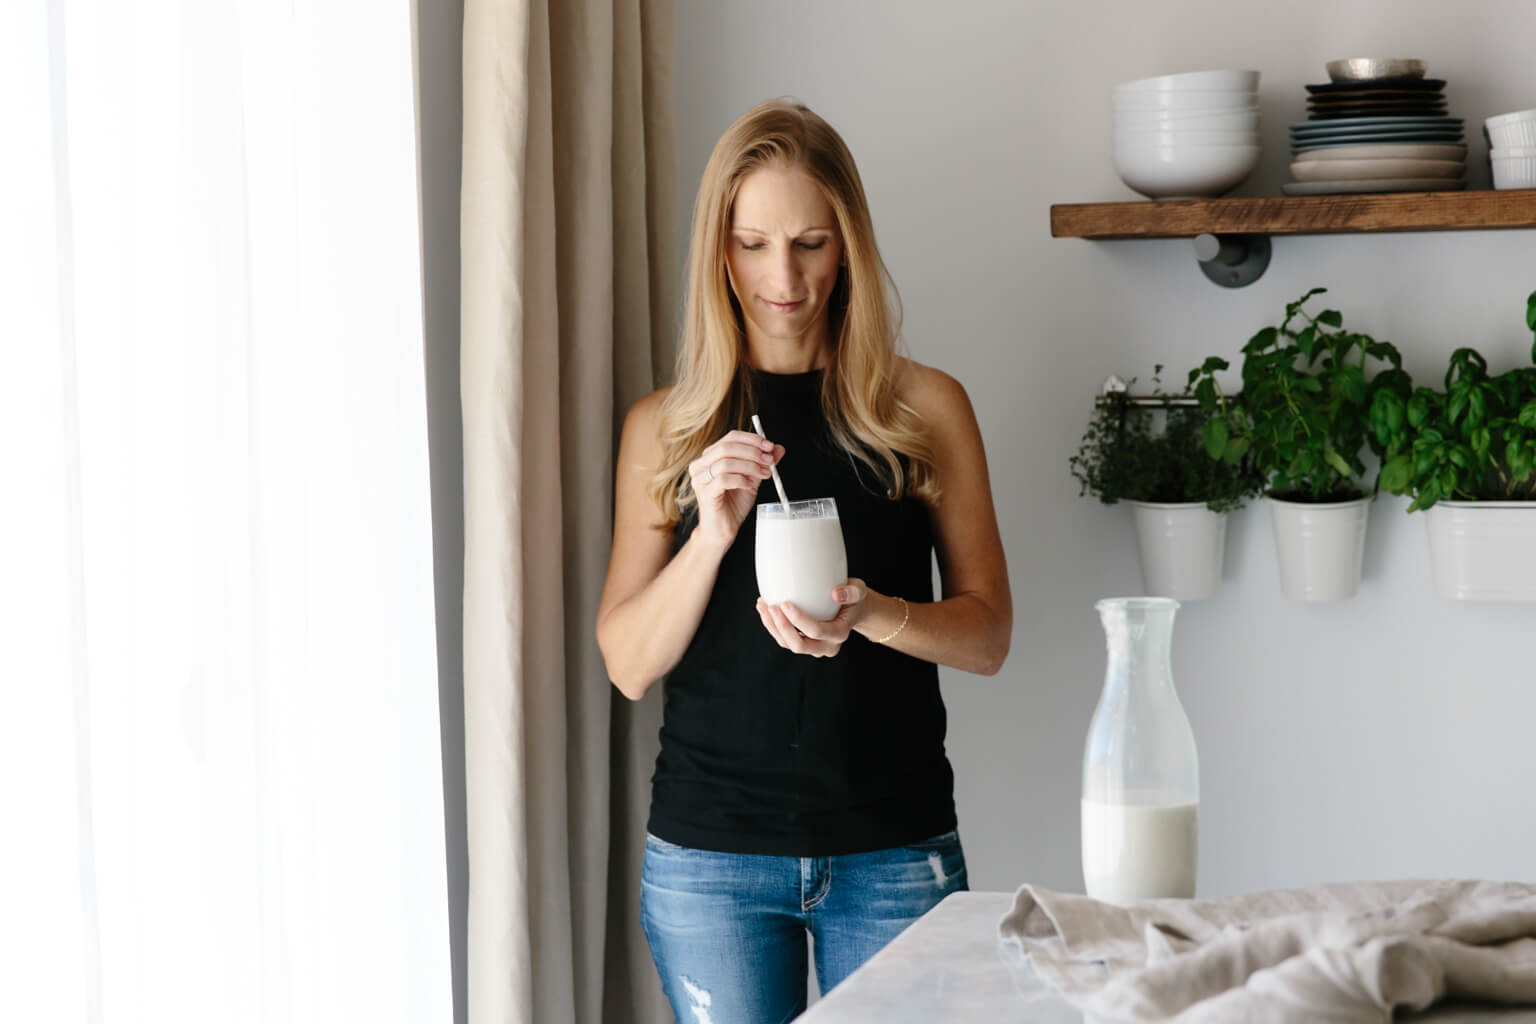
{"x":1335,"y":953}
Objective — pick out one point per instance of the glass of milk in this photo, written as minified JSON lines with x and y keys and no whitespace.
{"x":1141,"y":773}
{"x":800,"y":555}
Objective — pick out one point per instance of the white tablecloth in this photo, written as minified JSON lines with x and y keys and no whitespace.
{"x":947,"y":968}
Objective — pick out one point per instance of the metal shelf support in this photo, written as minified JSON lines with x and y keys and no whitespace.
{"x":1232,"y":261}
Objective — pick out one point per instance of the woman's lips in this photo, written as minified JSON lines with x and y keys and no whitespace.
{"x":784,"y":307}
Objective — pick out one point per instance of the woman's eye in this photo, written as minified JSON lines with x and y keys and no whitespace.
{"x":752,"y":246}
{"x":812,"y":246}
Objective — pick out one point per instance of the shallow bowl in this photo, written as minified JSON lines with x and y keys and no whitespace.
{"x":1184,"y":137}
{"x":1226,"y":81}
{"x":1513,"y":171}
{"x":1506,"y":131}
{"x":1216,"y":120}
{"x":1364,"y":69}
{"x":1183,"y":171}
{"x":1185,"y":102}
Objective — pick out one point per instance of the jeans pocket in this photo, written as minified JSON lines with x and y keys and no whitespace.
{"x":657,"y":843}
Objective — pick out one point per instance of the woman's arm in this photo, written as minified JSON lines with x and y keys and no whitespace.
{"x":971,"y":627}
{"x":652,"y":600}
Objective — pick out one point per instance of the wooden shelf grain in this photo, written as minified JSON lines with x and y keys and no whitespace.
{"x":1297,"y":215}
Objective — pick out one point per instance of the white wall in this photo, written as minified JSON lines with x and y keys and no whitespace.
{"x":1389,"y":735}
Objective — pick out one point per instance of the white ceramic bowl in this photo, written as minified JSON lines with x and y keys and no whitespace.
{"x":1184,"y":102}
{"x":1181,"y":137}
{"x":1169,"y":172}
{"x":1231,"y":81}
{"x":1218,"y":121}
{"x":1513,"y":171}
{"x":1506,"y":131}
{"x":1183,"y":113}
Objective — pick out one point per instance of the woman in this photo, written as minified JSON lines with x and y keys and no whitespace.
{"x":802,"y":783}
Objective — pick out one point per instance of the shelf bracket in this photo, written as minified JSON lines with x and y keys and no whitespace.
{"x":1232,"y":260}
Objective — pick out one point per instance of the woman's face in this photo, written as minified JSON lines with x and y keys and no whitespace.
{"x":783,"y":255}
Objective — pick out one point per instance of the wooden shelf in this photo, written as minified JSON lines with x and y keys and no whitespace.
{"x":1297,"y":215}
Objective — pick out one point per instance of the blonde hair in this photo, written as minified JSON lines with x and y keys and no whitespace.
{"x":712,"y":387}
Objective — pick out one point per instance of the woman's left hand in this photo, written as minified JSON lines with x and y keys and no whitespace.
{"x":795,"y":631}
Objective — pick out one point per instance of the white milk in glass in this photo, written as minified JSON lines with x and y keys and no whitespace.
{"x":800,"y":555}
{"x":1136,"y":851}
{"x":1141,"y":771}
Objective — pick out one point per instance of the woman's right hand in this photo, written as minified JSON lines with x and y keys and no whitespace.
{"x":725,"y":477}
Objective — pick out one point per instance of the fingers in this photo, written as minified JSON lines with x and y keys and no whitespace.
{"x":741,"y":445}
{"x":738,"y":460}
{"x":797,"y":632}
{"x":851,"y":592}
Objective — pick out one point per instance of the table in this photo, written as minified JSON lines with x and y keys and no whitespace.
{"x":948,"y":968}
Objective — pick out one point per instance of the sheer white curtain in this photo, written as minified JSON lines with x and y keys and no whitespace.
{"x":219,"y":762}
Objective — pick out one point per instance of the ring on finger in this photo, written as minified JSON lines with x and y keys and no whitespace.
{"x":709,"y":473}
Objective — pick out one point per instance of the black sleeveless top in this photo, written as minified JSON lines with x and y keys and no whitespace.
{"x":768,"y":752}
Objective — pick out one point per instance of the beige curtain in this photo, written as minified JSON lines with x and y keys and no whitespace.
{"x":566,"y":311}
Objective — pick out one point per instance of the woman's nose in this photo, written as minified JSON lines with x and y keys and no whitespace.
{"x":784,"y":272}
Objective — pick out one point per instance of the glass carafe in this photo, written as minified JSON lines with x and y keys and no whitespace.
{"x":1141,"y":775}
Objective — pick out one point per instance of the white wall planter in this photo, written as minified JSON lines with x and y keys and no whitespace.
{"x":1320,"y":547}
{"x":1181,"y":547}
{"x":1483,"y":550}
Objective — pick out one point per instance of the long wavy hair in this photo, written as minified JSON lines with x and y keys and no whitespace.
{"x":712,"y":387}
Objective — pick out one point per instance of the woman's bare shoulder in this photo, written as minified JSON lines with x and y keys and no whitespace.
{"x":645,"y":415}
{"x":934,"y":394}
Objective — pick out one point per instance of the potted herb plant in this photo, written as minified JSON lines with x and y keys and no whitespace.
{"x":1467,"y":454}
{"x":1303,"y":416}
{"x":1153,"y":458}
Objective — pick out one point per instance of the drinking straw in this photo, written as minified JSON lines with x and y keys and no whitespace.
{"x":757,"y":425}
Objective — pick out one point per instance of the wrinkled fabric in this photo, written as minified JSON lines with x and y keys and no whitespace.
{"x":1338,"y":953}
{"x":564,"y":307}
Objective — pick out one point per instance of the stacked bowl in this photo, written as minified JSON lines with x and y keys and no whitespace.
{"x":1512,"y":148}
{"x":1186,"y":136}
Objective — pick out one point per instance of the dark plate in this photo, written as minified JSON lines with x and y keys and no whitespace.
{"x":1403,"y":100}
{"x":1377,"y":84}
{"x":1339,"y":124}
{"x":1299,"y":147}
{"x":1346,"y":112}
{"x":1347,"y":101}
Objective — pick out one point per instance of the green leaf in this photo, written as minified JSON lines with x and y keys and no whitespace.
{"x":1527,"y":417}
{"x":1482,"y":441}
{"x":1237,"y":447}
{"x":1337,"y":462}
{"x":1395,"y":474}
{"x":1352,"y":385}
{"x":1306,"y":340}
{"x":1261,"y":341}
{"x":1214,"y":364}
{"x":1458,"y":403}
{"x":1311,"y":384}
{"x":1330,"y":317}
{"x":1205,"y":393}
{"x":1418,"y":409}
{"x":1215,"y":437}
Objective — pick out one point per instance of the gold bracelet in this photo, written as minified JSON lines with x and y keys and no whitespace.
{"x":906,"y":613}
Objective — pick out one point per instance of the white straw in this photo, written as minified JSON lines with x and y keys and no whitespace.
{"x":757,"y":425}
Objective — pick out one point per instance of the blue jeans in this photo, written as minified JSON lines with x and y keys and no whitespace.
{"x":727,"y":930}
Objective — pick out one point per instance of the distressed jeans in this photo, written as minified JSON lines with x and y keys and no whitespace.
{"x":727,"y":930}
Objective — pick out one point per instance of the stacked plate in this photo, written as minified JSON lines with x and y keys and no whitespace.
{"x":1379,"y":126}
{"x":1186,"y":135}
